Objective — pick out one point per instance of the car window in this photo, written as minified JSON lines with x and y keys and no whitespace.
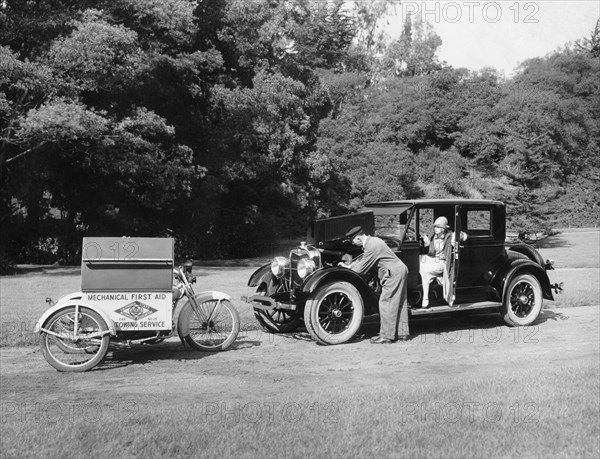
{"x":388,"y":225}
{"x":394,"y":225}
{"x":426,"y":221}
{"x":479,"y":222}
{"x":411,"y":230}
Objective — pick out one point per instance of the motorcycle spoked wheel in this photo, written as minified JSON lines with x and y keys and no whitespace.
{"x":214,"y":326}
{"x":64,"y":352}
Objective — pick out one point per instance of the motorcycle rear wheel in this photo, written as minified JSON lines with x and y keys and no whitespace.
{"x":66,"y":353}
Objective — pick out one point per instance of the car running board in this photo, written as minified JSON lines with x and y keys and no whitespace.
{"x":456,"y":307}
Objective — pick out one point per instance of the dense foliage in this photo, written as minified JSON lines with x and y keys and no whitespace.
{"x":229,"y":124}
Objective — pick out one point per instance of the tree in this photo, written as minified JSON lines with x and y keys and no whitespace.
{"x":370,"y":17}
{"x":76,"y":157}
{"x":324,"y":34}
{"x":271,"y":127}
{"x":592,"y":44}
{"x":414,"y":52}
{"x":29,"y":28}
{"x":98,"y":58}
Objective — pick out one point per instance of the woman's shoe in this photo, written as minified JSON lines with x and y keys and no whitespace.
{"x":425,"y":304}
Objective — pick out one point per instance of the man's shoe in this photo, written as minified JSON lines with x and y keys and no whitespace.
{"x":380,"y":340}
{"x":404,"y":338}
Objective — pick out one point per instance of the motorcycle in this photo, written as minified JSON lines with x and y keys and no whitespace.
{"x":76,"y":331}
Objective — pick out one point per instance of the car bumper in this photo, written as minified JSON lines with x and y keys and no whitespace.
{"x":266,"y":303}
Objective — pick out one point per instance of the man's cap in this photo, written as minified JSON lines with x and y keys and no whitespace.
{"x":356,"y":231}
{"x":441,"y":222}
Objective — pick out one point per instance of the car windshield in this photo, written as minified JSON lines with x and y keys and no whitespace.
{"x":391,"y":224}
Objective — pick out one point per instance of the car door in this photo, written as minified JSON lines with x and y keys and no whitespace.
{"x":481,"y":249}
{"x":409,"y":252}
{"x":454,"y":264}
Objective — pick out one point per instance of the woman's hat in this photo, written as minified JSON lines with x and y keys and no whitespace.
{"x":441,"y":222}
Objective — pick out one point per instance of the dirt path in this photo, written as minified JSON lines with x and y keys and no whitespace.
{"x":261,"y":365}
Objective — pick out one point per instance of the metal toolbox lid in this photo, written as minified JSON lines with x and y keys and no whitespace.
{"x":126,"y":264}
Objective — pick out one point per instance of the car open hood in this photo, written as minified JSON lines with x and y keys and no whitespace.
{"x":335,"y":228}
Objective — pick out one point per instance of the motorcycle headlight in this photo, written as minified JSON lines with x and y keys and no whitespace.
{"x":278,"y":266}
{"x":305,"y":267}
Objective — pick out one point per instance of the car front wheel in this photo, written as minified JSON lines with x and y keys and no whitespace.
{"x":277,"y":320}
{"x":334,"y":313}
{"x":523,"y":300}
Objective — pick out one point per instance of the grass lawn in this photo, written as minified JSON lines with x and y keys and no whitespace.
{"x":553,"y":413}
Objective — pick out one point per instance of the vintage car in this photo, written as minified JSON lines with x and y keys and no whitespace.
{"x":310,"y":287}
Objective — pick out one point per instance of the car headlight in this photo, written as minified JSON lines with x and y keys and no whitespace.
{"x":305,"y":267}
{"x":278,"y":266}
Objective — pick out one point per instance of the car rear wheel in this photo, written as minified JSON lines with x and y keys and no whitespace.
{"x":523,"y":300}
{"x":277,"y":320}
{"x":334,"y":313}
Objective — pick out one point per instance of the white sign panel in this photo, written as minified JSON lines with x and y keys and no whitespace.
{"x":137,"y":311}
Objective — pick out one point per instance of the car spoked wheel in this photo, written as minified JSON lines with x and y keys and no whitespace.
{"x":277,"y":320}
{"x":523,"y":301}
{"x":334,"y":314}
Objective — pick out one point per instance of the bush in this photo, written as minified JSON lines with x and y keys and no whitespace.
{"x":7,"y":267}
{"x":228,"y":238}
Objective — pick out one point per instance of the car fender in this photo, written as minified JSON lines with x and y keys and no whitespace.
{"x":259,"y":275}
{"x":325,"y":276}
{"x":523,"y":266}
{"x":183,"y":317}
{"x":74,"y":299}
{"x":527,"y":251}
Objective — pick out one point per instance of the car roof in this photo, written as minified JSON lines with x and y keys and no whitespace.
{"x":434,"y":202}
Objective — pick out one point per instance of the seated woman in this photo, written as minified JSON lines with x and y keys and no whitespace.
{"x":440,"y":251}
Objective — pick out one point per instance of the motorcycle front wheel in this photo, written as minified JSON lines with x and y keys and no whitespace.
{"x":213,"y":325}
{"x":74,"y":342}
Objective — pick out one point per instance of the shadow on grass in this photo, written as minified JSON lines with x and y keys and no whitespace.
{"x":143,"y":354}
{"x":252,"y":331}
{"x":300,"y":335}
{"x":453,"y":322}
{"x":548,"y":314}
{"x":552,"y":242}
{"x":442,"y":324}
{"x":34,"y":270}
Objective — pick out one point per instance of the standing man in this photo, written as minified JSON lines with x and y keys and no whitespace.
{"x":392,"y":273}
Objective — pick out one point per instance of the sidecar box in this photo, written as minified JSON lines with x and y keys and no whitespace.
{"x":127,"y":264}
{"x":131,"y":279}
